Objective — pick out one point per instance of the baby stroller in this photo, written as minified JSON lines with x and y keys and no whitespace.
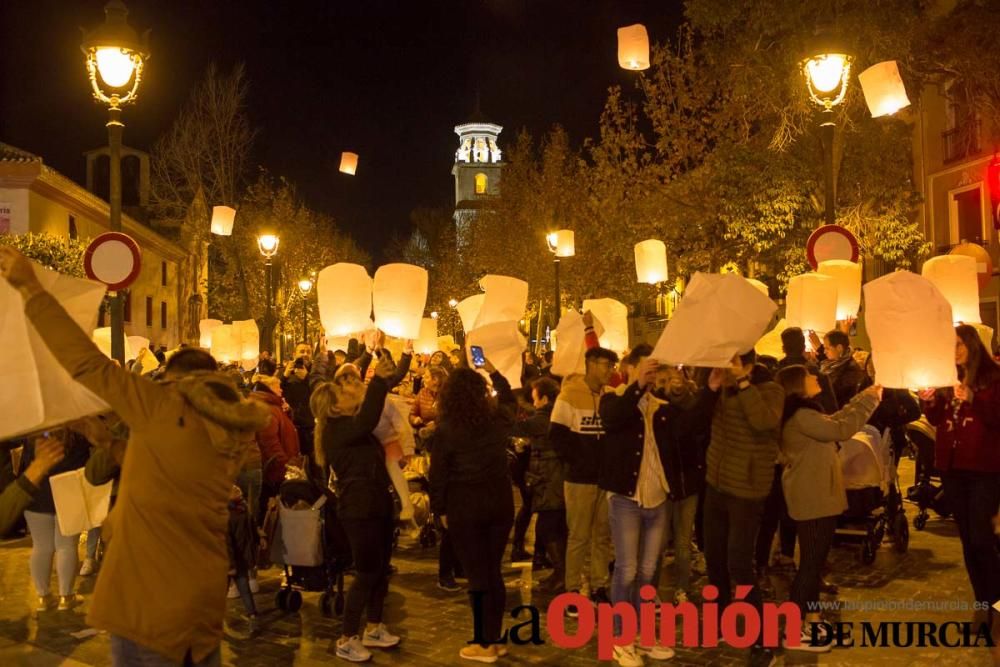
{"x":311,"y":545}
{"x":416,"y":472}
{"x":927,"y":491}
{"x":869,"y":471}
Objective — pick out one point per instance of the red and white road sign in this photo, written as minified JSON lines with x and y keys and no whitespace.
{"x":114,"y":259}
{"x":831,"y":242}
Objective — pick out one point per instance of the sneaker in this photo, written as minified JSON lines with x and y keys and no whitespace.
{"x":655,"y":652}
{"x":233,"y":592}
{"x":88,"y":567}
{"x":626,"y":656}
{"x":45,"y":602}
{"x":680,"y":597}
{"x":571,"y":609}
{"x":449,"y":585}
{"x":781,"y":561}
{"x":380,"y":637}
{"x":762,"y":657}
{"x":352,"y":650}
{"x":806,"y":644}
{"x":67,"y":602}
{"x":254,"y":585}
{"x":478,"y":653}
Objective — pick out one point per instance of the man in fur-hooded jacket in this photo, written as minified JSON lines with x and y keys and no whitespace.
{"x":161,"y":592}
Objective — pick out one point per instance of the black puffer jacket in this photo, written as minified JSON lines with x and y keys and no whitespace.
{"x":546,"y":471}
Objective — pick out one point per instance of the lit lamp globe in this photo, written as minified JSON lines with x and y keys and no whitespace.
{"x":562,"y":242}
{"x":268,"y":245}
{"x":633,"y":47}
{"x":651,"y":261}
{"x":827,"y":69}
{"x":115,"y":56}
{"x":305,"y":286}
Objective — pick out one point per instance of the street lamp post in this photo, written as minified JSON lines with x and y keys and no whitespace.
{"x":115,"y":57}
{"x":827,"y":71}
{"x":268,"y":246}
{"x":305,"y":287}
{"x":561,"y":244}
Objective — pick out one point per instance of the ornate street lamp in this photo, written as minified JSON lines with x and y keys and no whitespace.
{"x":827,"y":71}
{"x":268,"y":246}
{"x":115,"y":57}
{"x":561,"y":244}
{"x":305,"y":287}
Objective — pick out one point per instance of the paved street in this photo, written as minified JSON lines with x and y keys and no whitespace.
{"x":435,"y":624}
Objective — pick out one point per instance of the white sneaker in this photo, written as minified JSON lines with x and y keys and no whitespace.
{"x":805,"y":642}
{"x":353,"y":650}
{"x":88,"y":567}
{"x":626,"y":656}
{"x":233,"y":592}
{"x":254,"y":586}
{"x":655,"y":652}
{"x":380,"y":638}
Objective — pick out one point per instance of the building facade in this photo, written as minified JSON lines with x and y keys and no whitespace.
{"x":36,"y":198}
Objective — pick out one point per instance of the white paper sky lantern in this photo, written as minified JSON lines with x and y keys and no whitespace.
{"x":848,"y":277}
{"x":506,"y":300}
{"x":427,"y":342}
{"x":135,"y":343}
{"x":246,"y":336}
{"x":651,"y":261}
{"x":614,"y":316}
{"x":633,"y":47}
{"x":344,"y":292}
{"x":468,"y":310}
{"x":399,"y":296}
{"x":224,"y":346}
{"x":222,"y":220}
{"x":102,"y":338}
{"x":205,"y":328}
{"x":812,"y":303}
{"x":884,"y":91}
{"x":563,"y":242}
{"x":958,"y":279}
{"x":761,"y":287}
{"x":910,"y":326}
{"x":348,"y":163}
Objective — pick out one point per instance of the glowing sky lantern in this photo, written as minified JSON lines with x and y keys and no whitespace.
{"x":102,"y":338}
{"x":246,"y":339}
{"x":135,"y":343}
{"x":344,"y":293}
{"x":884,"y":91}
{"x":222,"y":220}
{"x":956,"y":277}
{"x":910,"y":326}
{"x":506,"y":300}
{"x":468,"y":310}
{"x":205,"y":328}
{"x":348,"y":163}
{"x":224,"y":345}
{"x":811,"y":303}
{"x":427,"y":341}
{"x":847,"y":275}
{"x":613,"y":315}
{"x":633,"y":47}
{"x":399,"y":296}
{"x":651,"y":261}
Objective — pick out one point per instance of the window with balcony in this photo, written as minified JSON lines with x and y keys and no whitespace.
{"x":963,"y":138}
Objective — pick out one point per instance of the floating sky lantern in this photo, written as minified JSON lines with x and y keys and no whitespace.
{"x":223,"y":218}
{"x":633,"y":47}
{"x":651,"y":261}
{"x":506,"y":300}
{"x":344,"y":293}
{"x":956,"y":277}
{"x":811,"y":304}
{"x":348,"y":163}
{"x":614,"y":316}
{"x":399,"y":295}
{"x":884,"y":91}
{"x":847,"y":275}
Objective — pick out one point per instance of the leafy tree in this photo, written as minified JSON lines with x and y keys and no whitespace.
{"x":59,"y":253}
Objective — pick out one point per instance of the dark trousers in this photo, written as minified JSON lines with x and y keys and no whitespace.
{"x":775,"y":515}
{"x":974,"y":498}
{"x":699,"y":522}
{"x":731,"y":526}
{"x":815,"y":540}
{"x":480,"y":519}
{"x":448,"y":565}
{"x":523,"y":518}
{"x":550,"y":527}
{"x":371,"y":548}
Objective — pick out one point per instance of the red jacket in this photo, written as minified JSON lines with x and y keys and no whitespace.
{"x":278,"y":441}
{"x":968,"y":439}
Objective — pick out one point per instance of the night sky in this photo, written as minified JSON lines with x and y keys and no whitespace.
{"x":386,"y":79}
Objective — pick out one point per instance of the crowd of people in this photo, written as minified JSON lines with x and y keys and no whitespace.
{"x":617,"y":465}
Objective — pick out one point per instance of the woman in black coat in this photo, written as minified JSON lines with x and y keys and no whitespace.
{"x":471,"y":491}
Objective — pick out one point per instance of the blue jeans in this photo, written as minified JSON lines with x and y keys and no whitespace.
{"x":126,"y":653}
{"x":637,"y":533}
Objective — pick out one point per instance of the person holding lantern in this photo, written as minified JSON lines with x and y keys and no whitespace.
{"x":967,"y":452}
{"x":837,"y":363}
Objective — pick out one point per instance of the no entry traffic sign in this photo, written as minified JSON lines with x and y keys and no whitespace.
{"x":114,"y":259}
{"x":831,"y":242}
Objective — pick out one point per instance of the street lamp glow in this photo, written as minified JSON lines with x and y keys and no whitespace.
{"x":827,"y":76}
{"x":434,"y":314}
{"x":452,"y":302}
{"x":562,"y":242}
{"x":267,"y":244}
{"x":115,"y":65}
{"x":305,"y":286}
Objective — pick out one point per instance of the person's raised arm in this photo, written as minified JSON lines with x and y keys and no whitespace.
{"x":843,"y":424}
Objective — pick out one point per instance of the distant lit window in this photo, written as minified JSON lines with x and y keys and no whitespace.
{"x":481,"y":184}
